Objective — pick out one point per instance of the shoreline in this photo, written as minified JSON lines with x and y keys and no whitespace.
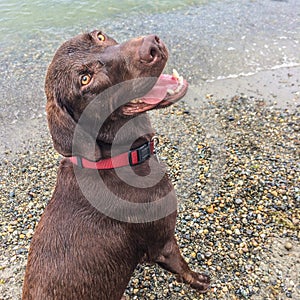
{"x":280,"y":88}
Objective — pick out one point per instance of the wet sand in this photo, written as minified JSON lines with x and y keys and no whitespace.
{"x":279,"y":88}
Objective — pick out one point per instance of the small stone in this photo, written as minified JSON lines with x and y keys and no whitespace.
{"x":176,"y":288}
{"x":244,"y":293}
{"x":288,"y":246}
{"x":21,"y":251}
{"x":238,"y":201}
{"x":265,"y":279}
{"x":205,"y":231}
{"x":274,"y":193}
{"x":10,"y":229}
{"x":289,"y":294}
{"x":196,"y":214}
{"x":245,"y":249}
{"x":199,"y":256}
{"x":260,"y":207}
{"x":237,"y":231}
{"x":210,"y":209}
{"x":209,"y":262}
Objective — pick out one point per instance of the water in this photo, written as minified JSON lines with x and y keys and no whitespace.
{"x":208,"y":40}
{"x":27,"y":17}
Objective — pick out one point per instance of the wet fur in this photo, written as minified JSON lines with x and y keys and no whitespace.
{"x":77,"y":252}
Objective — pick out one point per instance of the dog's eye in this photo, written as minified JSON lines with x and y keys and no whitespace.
{"x":85,"y":79}
{"x":101,"y":37}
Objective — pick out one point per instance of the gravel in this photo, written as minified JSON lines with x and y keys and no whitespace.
{"x":235,"y":166}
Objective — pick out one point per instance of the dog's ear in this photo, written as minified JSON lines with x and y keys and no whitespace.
{"x":62,"y":128}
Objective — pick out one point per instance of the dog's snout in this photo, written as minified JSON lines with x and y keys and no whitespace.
{"x":152,"y":49}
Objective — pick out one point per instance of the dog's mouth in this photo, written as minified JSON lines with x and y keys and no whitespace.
{"x":167,"y":90}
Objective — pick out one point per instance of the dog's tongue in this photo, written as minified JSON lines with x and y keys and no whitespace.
{"x":159,"y":91}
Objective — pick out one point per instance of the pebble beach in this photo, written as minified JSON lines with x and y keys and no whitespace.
{"x":238,"y":217}
{"x":232,"y":150}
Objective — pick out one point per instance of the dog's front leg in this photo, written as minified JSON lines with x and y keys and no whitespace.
{"x":170,"y":258}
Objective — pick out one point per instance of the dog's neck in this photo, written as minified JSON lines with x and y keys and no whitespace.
{"x":121,"y":136}
{"x":110,"y":150}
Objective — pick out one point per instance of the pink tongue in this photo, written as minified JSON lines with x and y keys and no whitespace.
{"x":159,"y":91}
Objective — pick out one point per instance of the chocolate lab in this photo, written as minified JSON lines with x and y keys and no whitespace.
{"x":113,"y":205}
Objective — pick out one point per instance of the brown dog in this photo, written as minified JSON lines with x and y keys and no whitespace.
{"x":105,"y":217}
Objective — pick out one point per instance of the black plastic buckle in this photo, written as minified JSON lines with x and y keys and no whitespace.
{"x":143,"y":153}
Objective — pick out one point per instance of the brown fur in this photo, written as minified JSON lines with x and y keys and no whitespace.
{"x":77,"y":252}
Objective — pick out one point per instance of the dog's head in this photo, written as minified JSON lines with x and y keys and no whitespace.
{"x":121,"y":81}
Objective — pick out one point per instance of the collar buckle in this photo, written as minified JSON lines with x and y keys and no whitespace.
{"x":142,"y":153}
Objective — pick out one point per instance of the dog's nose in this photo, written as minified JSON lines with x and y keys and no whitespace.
{"x":151,"y":49}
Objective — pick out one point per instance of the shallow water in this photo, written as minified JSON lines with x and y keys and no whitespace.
{"x":26,"y":17}
{"x":208,"y":40}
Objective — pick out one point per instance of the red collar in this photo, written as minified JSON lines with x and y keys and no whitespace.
{"x":130,"y":158}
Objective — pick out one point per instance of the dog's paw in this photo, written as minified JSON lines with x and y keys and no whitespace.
{"x":201,"y":282}
{"x":198,"y":281}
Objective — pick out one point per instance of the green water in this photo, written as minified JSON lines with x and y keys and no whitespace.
{"x":26,"y":17}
